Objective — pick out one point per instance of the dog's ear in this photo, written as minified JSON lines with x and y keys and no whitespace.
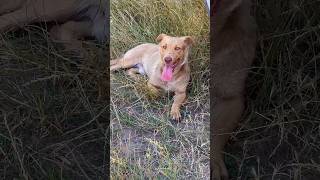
{"x":188,"y":40}
{"x":160,"y":37}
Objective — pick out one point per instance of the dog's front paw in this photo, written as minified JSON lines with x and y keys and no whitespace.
{"x":175,"y":114}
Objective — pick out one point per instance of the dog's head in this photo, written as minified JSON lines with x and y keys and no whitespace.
{"x":173,"y":53}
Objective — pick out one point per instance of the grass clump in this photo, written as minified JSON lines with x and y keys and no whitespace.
{"x":52,"y":123}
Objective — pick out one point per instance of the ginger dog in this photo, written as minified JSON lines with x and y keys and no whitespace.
{"x":165,"y":64}
{"x":75,"y":18}
{"x":234,"y":41}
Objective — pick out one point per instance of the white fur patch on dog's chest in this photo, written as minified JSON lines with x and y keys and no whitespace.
{"x":140,"y":68}
{"x":168,"y":86}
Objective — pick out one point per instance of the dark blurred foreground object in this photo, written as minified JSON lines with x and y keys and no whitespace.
{"x":74,"y":19}
{"x":233,"y":39}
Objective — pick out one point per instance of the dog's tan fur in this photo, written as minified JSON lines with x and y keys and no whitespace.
{"x":152,"y":56}
{"x":233,"y":40}
{"x":75,"y":18}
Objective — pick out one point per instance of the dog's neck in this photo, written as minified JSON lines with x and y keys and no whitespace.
{"x":179,"y":68}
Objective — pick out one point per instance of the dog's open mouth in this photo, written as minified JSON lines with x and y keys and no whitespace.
{"x":167,"y":72}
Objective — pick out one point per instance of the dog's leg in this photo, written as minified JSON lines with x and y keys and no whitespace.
{"x":114,"y":62}
{"x":15,"y":19}
{"x":125,"y":62}
{"x":37,"y":10}
{"x":70,"y":32}
{"x":132,"y":72}
{"x":228,"y":112}
{"x":10,"y":5}
{"x":154,"y":89}
{"x":179,"y":98}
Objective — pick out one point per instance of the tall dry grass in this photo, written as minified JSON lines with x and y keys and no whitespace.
{"x":52,"y":123}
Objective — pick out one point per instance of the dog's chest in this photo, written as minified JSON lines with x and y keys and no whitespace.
{"x":168,"y":86}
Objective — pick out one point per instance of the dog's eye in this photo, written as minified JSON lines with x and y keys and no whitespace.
{"x":177,"y":48}
{"x":164,"y":46}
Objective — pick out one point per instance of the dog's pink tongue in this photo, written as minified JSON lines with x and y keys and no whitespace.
{"x":167,"y":73}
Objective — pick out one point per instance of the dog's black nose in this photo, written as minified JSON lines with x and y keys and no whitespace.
{"x":167,"y":59}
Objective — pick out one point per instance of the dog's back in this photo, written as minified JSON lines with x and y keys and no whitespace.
{"x":61,"y":11}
